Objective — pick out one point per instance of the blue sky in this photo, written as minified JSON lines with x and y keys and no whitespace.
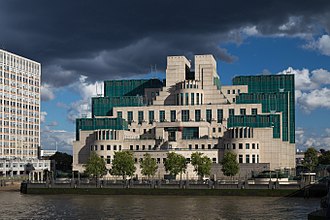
{"x":84,"y":43}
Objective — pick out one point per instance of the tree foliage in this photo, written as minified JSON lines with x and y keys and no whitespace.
{"x":95,"y":166}
{"x":63,"y":161}
{"x":202,"y":164}
{"x":148,"y":165}
{"x":310,"y":159}
{"x":324,"y":158}
{"x":175,"y":163}
{"x":123,"y":164}
{"x":230,"y":165}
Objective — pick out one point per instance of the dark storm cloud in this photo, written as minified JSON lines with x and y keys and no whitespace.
{"x":115,"y":39}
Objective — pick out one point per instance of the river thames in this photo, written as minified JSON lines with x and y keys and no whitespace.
{"x":21,"y":206}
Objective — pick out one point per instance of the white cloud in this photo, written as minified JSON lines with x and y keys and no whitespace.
{"x":250,"y":31}
{"x":322,"y":45}
{"x":82,"y":107}
{"x":321,"y":76}
{"x":291,"y":24}
{"x":43,"y":117}
{"x":47,"y":92}
{"x":312,"y":88}
{"x":315,"y":99}
{"x":306,"y":139}
{"x":61,"y":138}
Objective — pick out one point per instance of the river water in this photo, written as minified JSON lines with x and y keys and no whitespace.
{"x":14,"y":205}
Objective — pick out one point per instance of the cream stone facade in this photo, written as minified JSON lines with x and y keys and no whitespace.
{"x":191,"y":112}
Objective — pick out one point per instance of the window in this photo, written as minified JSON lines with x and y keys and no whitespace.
{"x":187,"y":99}
{"x":214,"y":160}
{"x":108,"y":147}
{"x":240,"y":158}
{"x":257,"y":158}
{"x":219,"y":129}
{"x":228,"y":91}
{"x":143,"y":147}
{"x":220,"y":115}
{"x":214,"y":130}
{"x":95,"y":147}
{"x":119,"y":114}
{"x":240,"y":146}
{"x":129,"y":117}
{"x":162,"y":116}
{"x":257,"y":146}
{"x":197,"y":98}
{"x":120,"y":147}
{"x":254,"y":111}
{"x":209,"y":146}
{"x":243,"y":111}
{"x":247,"y":158}
{"x":185,"y":115}
{"x":247,"y":146}
{"x":203,"y":146}
{"x":108,"y":159}
{"x":158,"y":160}
{"x":196,"y":146}
{"x":190,"y":146}
{"x":233,"y":91}
{"x":197,"y":115}
{"x":234,"y":146}
{"x":102,"y":147}
{"x":238,"y":91}
{"x":131,"y":147}
{"x":151,"y":116}
{"x":137,"y":147}
{"x":209,"y":115}
{"x":231,"y":112}
{"x":173,"y":115}
{"x":114,"y":147}
{"x":253,"y":146}
{"x":140,"y":117}
{"x":192,"y":98}
{"x":181,"y":98}
{"x":253,"y":158}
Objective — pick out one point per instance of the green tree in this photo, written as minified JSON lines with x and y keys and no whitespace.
{"x":63,"y":161}
{"x":123,"y":164}
{"x":148,"y":165}
{"x":310,"y":159}
{"x":202,"y":164}
{"x":175,"y":164}
{"x":324,"y":158}
{"x":230,"y":165}
{"x":95,"y":166}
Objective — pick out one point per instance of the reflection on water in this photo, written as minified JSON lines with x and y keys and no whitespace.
{"x":17,"y":206}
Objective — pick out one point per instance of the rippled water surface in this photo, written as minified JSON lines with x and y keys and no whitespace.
{"x":14,"y":205}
